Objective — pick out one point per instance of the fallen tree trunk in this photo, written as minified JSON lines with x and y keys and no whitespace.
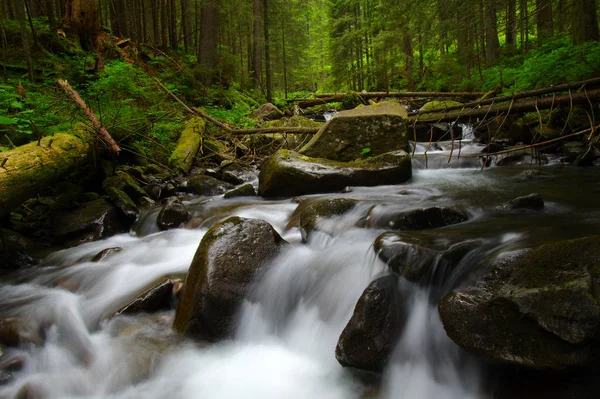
{"x":189,"y":142}
{"x":405,"y":94}
{"x":506,"y":109}
{"x":101,"y":131}
{"x":29,"y":169}
{"x":518,"y":96}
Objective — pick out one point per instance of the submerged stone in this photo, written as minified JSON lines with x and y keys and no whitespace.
{"x":322,"y":209}
{"x":288,"y":174}
{"x":531,"y":201}
{"x":246,"y":190}
{"x":380,"y":128}
{"x":416,"y":219}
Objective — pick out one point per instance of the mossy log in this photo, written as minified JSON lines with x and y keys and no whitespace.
{"x":187,"y":147}
{"x":30,"y":168}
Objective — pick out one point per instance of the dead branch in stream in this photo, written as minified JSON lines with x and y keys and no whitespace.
{"x":517,"y":96}
{"x":492,"y":110}
{"x":100,"y":130}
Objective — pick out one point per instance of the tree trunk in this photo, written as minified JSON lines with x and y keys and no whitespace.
{"x":185,"y":24}
{"x":257,"y":48}
{"x":209,"y":25}
{"x":543,"y":18}
{"x":492,"y":44}
{"x":563,"y":10}
{"x":173,"y":24}
{"x":585,"y":21}
{"x":267,"y":51}
{"x":524,"y":25}
{"x":20,"y":15}
{"x":511,"y":25}
{"x":82,"y":17}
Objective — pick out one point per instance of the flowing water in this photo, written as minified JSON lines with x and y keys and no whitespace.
{"x":290,"y":323}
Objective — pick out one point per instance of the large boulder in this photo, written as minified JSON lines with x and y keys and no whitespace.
{"x":539,"y":309}
{"x":368,"y":339}
{"x":377,"y":129}
{"x":287,"y":173}
{"x":230,"y":255}
{"x":266,"y":111}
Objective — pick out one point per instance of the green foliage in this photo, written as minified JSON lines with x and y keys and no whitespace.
{"x":557,"y":61}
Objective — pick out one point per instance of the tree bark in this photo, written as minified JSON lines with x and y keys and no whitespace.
{"x":209,"y":25}
{"x":267,"y":51}
{"x":82,"y":18}
{"x":511,"y":25}
{"x":585,"y":21}
{"x":543,"y":17}
{"x":257,"y":48}
{"x":20,"y":15}
{"x":492,"y":44}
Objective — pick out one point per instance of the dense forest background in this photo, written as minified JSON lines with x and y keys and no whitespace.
{"x":231,"y":55}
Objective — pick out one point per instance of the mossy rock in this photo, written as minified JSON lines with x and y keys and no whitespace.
{"x":379,"y":128}
{"x":189,"y":142}
{"x":215,"y":148}
{"x":126,"y":183}
{"x":229,"y":257}
{"x":206,"y":185}
{"x":289,"y":174}
{"x":246,"y":190}
{"x":293,"y":121}
{"x":539,"y":309}
{"x":123,"y":203}
{"x":439,"y":105}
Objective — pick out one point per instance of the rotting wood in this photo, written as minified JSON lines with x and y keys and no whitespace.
{"x":100,"y":130}
{"x":493,"y":111}
{"x":32,"y":168}
{"x":517,"y":96}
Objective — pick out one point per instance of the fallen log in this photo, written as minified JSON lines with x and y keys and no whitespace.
{"x":187,"y":147}
{"x":517,"y":96}
{"x":100,"y":130}
{"x":404,"y":94}
{"x":506,"y":109}
{"x":29,"y":169}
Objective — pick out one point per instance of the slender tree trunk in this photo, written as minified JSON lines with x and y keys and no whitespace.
{"x":257,"y":48}
{"x":563,"y":10}
{"x":285,"y":81}
{"x":511,"y":25}
{"x":409,"y":59}
{"x":185,"y":24}
{"x":268,"y":71}
{"x":20,"y":15}
{"x":173,"y":24}
{"x":524,"y":25}
{"x":155,"y":25}
{"x":492,"y":44}
{"x":543,"y":18}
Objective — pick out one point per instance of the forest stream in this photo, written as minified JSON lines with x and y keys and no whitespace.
{"x":288,"y":327}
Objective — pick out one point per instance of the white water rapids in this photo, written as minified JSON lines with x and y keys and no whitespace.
{"x":288,"y":327}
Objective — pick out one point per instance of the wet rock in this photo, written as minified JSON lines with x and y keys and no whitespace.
{"x":14,"y":259}
{"x":412,"y":261}
{"x":381,"y":128}
{"x":531,"y":201}
{"x":90,"y":222}
{"x":123,"y":203}
{"x":146,"y":202}
{"x":5,"y":377}
{"x":266,"y":111}
{"x":12,"y":240}
{"x":205,"y":185}
{"x":229,"y":257}
{"x":247,"y":190}
{"x":173,"y":214}
{"x":322,"y":209}
{"x":234,"y":173}
{"x":154,"y":191}
{"x":521,"y":159}
{"x":368,"y":340}
{"x":17,"y":331}
{"x":13,"y":363}
{"x":416,"y":219}
{"x":153,"y":169}
{"x":159,"y":297}
{"x":314,"y":175}
{"x":124,"y":182}
{"x":539,"y":309}
{"x":105,"y":252}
